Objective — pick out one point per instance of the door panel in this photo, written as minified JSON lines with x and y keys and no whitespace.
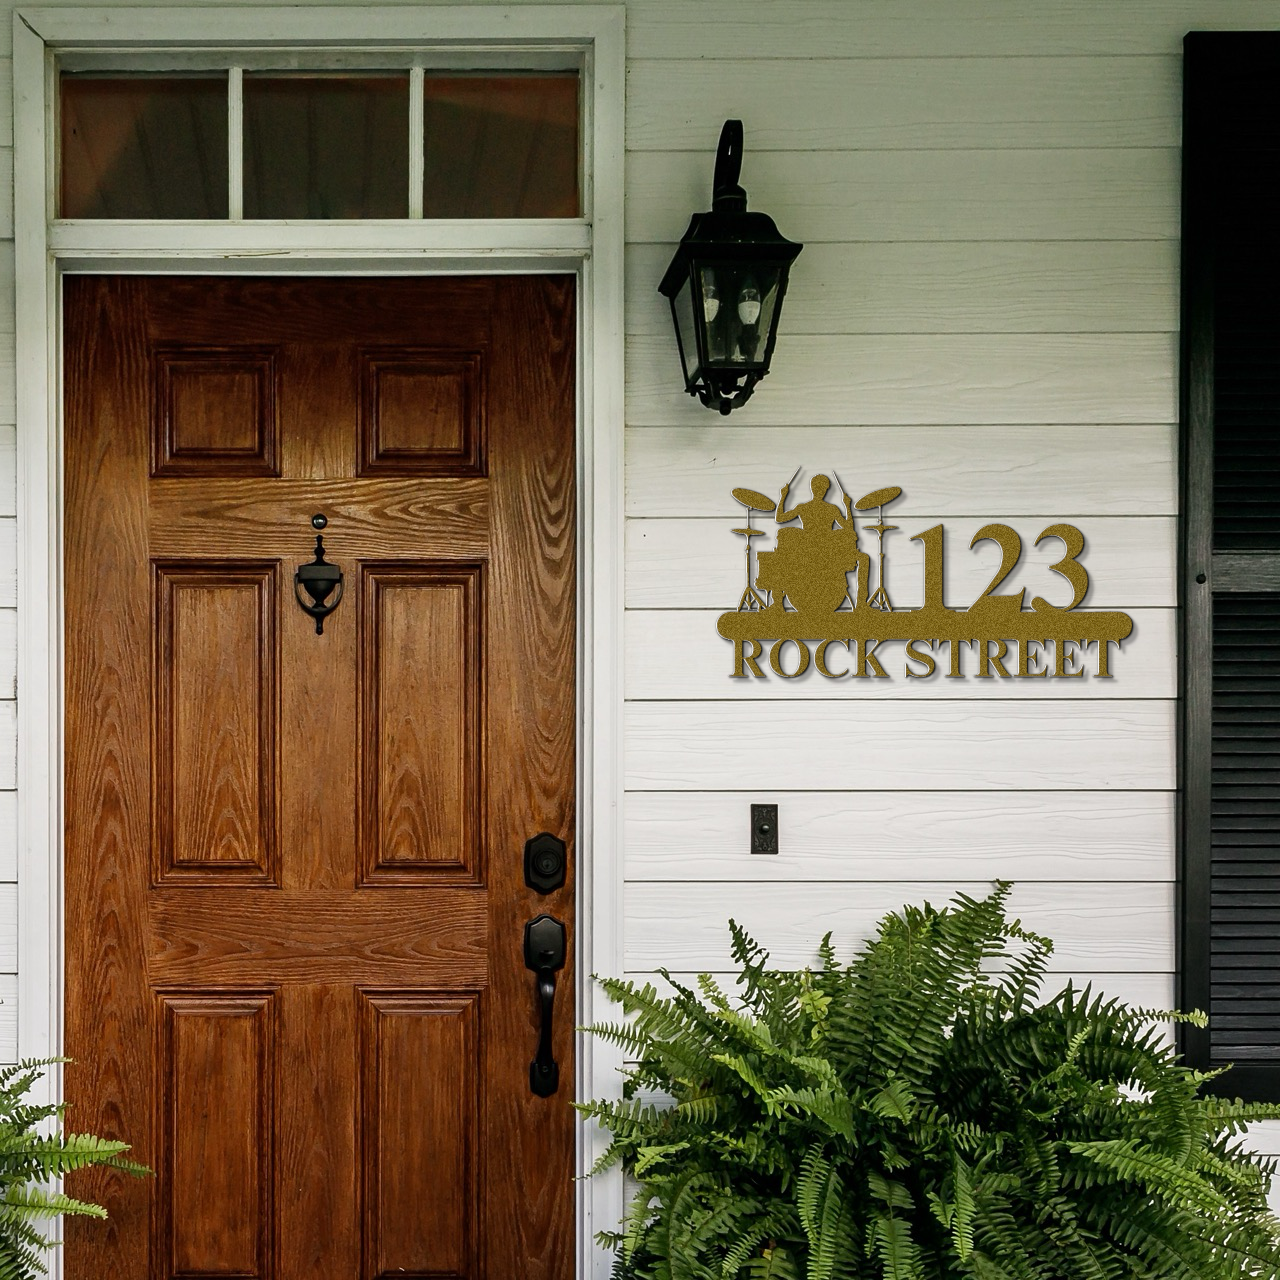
{"x":295,"y":899}
{"x":217,"y":732}
{"x":422,"y":778}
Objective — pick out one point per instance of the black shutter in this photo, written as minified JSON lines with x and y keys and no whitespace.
{"x":1229,"y":954}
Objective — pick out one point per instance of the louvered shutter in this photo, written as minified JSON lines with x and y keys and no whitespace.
{"x":1229,"y":956}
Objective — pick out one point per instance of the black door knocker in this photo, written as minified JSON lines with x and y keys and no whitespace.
{"x":319,"y":578}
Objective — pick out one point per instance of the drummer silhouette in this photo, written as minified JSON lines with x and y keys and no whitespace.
{"x":816,"y":514}
{"x":812,"y":564}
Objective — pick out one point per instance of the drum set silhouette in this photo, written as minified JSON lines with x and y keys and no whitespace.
{"x":810,"y":566}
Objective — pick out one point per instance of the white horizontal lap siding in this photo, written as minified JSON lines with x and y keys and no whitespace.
{"x":1082,"y":286}
{"x":898,"y":104}
{"x":828,"y":836}
{"x":985,"y":314}
{"x":684,"y":928}
{"x":852,"y":196}
{"x":981,"y":379}
{"x":942,"y":29}
{"x":863,"y":745}
{"x":944,"y":471}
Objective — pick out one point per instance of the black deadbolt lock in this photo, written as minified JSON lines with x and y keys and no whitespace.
{"x":544,"y":863}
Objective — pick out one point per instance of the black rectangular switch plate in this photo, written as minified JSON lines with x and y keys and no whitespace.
{"x":764,"y":828}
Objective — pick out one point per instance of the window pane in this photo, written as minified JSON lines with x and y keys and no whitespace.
{"x":326,"y":146}
{"x":501,"y":146}
{"x":144,"y":147}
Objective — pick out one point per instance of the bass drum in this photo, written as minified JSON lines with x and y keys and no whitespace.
{"x":810,"y":569}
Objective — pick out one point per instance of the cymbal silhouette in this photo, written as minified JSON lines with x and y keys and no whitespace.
{"x":749,"y":533}
{"x":878,"y":498}
{"x":756,"y":501}
{"x":879,"y":528}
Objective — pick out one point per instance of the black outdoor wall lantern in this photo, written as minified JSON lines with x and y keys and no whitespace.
{"x":726,"y":285}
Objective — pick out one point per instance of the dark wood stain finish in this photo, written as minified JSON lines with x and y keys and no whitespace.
{"x":422,"y":778}
{"x":215,"y":412}
{"x":422,"y":413}
{"x":295,"y":898}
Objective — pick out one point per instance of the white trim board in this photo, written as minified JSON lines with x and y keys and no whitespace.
{"x":592,"y":247}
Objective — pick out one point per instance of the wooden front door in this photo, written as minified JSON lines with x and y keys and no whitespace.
{"x":295,"y":892}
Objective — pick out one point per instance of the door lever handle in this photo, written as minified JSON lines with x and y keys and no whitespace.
{"x":544,"y":944}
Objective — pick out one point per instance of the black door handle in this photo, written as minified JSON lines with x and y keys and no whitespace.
{"x":544,"y":954}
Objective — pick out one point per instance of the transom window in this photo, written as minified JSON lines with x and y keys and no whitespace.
{"x":242,"y":143}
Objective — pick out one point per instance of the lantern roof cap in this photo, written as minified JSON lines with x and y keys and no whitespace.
{"x":728,"y":233}
{"x":727,"y":237}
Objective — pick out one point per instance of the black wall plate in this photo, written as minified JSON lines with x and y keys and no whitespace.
{"x":764,"y":828}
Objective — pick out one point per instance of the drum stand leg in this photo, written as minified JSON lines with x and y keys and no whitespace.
{"x":751,"y":600}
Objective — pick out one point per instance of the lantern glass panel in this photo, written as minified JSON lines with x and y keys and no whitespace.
{"x":739,"y":301}
{"x":686,"y":331}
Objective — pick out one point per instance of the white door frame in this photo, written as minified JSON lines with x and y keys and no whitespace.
{"x":591,"y":247}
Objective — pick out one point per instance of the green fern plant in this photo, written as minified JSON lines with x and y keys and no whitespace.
{"x":31,"y":1157}
{"x":922,"y":1114}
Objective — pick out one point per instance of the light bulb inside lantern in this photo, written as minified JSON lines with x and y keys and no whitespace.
{"x":710,"y":300}
{"x":749,"y":304}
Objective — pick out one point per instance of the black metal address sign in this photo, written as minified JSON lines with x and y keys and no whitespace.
{"x":798,"y":607}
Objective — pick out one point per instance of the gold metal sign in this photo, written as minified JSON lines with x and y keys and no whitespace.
{"x":810,"y":600}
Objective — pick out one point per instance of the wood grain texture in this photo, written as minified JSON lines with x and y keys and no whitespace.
{"x":470,"y":694}
{"x":831,"y":836}
{"x":8,"y":836}
{"x":911,"y":746}
{"x":1127,"y":286}
{"x":677,"y":654}
{"x":531,"y":664}
{"x":8,"y":563}
{"x":983,"y":380}
{"x":400,"y":517}
{"x":217,"y":729}
{"x":1104,"y":927}
{"x":698,"y":564}
{"x":113,"y":1077}
{"x":420,"y":1117}
{"x":8,"y":745}
{"x":8,"y":928}
{"x":860,"y":104}
{"x":217,"y":1134}
{"x":422,"y":716}
{"x":215,"y":412}
{"x":843,"y":196}
{"x":9,"y":653}
{"x":942,"y":471}
{"x":6,"y":187}
{"x":934,"y":28}
{"x":434,"y":938}
{"x":422,"y":412}
{"x":9,"y":1017}
{"x":8,"y":466}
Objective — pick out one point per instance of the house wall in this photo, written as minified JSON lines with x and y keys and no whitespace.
{"x":985,"y":313}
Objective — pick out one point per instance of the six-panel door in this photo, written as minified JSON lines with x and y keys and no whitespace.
{"x":295,"y":897}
